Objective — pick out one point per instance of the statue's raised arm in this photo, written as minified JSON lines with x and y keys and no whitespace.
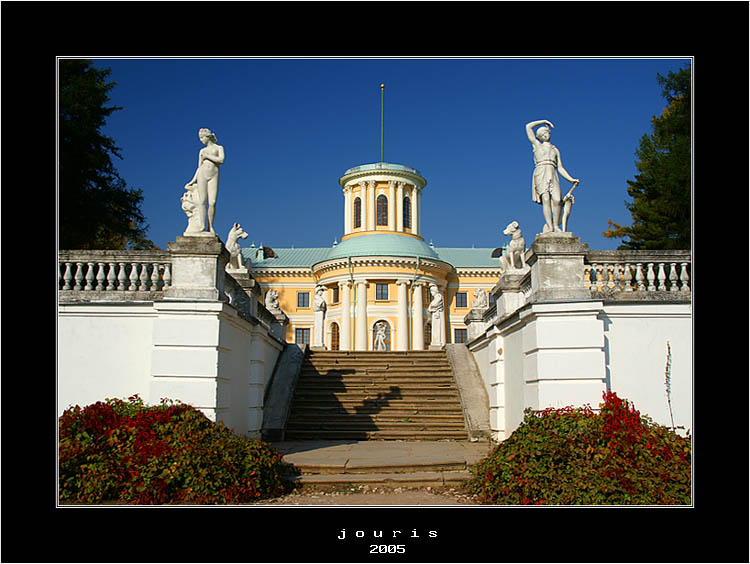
{"x":530,"y":129}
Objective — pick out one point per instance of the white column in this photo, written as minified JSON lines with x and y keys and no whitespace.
{"x":402,"y":331}
{"x":371,"y":205}
{"x":347,"y":210}
{"x":360,"y":317}
{"x":417,"y":331}
{"x":415,"y":226}
{"x":400,"y":206}
{"x":392,"y":205}
{"x":363,"y":206}
{"x":345,"y":337}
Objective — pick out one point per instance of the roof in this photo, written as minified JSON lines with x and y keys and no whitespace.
{"x":374,"y":245}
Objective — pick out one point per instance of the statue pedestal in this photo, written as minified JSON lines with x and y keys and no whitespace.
{"x":556,"y":261}
{"x":198,"y":268}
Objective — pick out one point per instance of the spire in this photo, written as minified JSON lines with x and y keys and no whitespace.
{"x":382,"y":96}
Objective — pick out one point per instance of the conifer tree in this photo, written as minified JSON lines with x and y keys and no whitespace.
{"x":97,"y":210}
{"x":660,"y":192}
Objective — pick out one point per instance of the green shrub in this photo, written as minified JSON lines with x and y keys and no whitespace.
{"x":171,"y":453}
{"x":576,"y":456}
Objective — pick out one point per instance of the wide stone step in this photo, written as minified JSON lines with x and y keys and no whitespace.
{"x":360,"y":387}
{"x":375,"y":404}
{"x":305,"y":434}
{"x":411,"y":479}
{"x":377,"y":417}
{"x":371,"y":425}
{"x":399,"y":411}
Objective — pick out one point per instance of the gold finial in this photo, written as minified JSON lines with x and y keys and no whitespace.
{"x":382,"y":85}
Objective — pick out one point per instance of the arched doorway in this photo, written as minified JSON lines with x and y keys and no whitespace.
{"x":335,"y":336}
{"x":381,"y":335}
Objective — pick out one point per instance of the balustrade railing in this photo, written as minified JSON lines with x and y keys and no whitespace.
{"x":612,"y":272}
{"x":113,"y":271}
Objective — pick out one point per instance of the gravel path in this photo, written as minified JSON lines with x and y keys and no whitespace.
{"x":374,"y":495}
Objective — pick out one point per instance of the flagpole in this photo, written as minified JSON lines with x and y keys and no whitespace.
{"x":382,"y":90}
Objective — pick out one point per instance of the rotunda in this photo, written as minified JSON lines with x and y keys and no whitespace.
{"x":381,"y":274}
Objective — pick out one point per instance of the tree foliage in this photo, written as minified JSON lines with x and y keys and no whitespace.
{"x":660,"y":192}
{"x":97,"y":210}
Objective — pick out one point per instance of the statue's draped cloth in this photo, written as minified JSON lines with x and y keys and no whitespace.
{"x":545,"y":177}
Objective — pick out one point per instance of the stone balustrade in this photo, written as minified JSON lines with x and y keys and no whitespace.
{"x":105,"y":274}
{"x":626,"y":274}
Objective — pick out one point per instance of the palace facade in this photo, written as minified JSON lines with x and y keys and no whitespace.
{"x":380,"y":271}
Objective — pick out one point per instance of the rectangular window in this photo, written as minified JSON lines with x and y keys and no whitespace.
{"x":381,"y":291}
{"x":303,"y":299}
{"x":459,"y":336}
{"x":335,"y":290}
{"x":461,"y":299}
{"x":492,"y":300}
{"x":302,"y":336}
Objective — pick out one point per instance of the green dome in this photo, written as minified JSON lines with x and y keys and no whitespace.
{"x":385,"y":244}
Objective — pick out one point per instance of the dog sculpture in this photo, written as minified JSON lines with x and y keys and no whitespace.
{"x":235,"y":253}
{"x":516,"y":249}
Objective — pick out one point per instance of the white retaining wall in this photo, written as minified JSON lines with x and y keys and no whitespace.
{"x":200,"y":352}
{"x":558,"y":353}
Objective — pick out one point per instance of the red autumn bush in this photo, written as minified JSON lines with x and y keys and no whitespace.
{"x":576,"y":456}
{"x":170,"y":453}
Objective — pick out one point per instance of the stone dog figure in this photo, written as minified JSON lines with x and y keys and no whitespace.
{"x":235,"y":252}
{"x":516,"y":249}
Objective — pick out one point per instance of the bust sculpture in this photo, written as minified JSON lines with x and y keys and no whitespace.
{"x":272,"y":301}
{"x":203,"y":188}
{"x":545,"y":185}
{"x":480,"y":299}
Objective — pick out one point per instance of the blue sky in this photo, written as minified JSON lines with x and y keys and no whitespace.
{"x":292,"y":127}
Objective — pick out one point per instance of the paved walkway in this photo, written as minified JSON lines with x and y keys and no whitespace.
{"x":403,"y":462}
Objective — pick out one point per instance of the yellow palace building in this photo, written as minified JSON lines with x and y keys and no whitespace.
{"x":381,"y":271}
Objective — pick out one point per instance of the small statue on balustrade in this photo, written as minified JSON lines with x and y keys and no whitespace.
{"x":236,"y":261}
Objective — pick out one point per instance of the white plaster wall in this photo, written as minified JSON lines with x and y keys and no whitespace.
{"x":559,"y":354}
{"x":198,"y":352}
{"x":103,"y":351}
{"x":636,"y":338}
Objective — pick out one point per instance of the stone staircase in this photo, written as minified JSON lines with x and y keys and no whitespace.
{"x":376,"y":396}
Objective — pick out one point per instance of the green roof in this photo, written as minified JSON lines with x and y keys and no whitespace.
{"x":374,"y":245}
{"x":384,"y":244}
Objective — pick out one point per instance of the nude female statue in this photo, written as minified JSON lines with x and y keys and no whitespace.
{"x":204,"y":185}
{"x":545,"y":188}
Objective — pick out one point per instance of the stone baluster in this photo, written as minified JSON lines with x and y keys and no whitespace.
{"x":662,"y":278}
{"x":89,"y":277}
{"x":78,"y":276}
{"x":599,"y":276}
{"x":121,"y":278}
{"x":111,"y":277}
{"x":167,"y":278}
{"x":100,"y":277}
{"x":133,"y":277}
{"x":155,"y":280}
{"x":611,"y":269}
{"x":651,"y":277}
{"x":627,"y":277}
{"x":68,"y":276}
{"x":673,"y":278}
{"x":684,"y":278}
{"x":587,"y":276}
{"x":145,"y":279}
{"x":620,"y":276}
{"x":639,"y":277}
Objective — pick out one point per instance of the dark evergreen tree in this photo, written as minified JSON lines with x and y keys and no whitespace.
{"x":661,"y":189}
{"x":97,"y":210}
